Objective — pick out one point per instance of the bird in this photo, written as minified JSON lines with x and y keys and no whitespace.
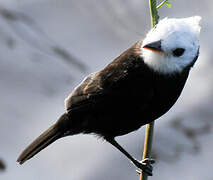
{"x":136,"y":88}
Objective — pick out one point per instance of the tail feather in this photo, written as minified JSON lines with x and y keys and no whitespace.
{"x":45,"y":139}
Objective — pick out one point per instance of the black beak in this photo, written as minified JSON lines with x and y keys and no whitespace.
{"x":154,"y":46}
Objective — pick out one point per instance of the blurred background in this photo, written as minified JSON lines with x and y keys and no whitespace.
{"x":48,"y":46}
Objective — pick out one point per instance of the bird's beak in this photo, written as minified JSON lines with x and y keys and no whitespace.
{"x":154,"y":46}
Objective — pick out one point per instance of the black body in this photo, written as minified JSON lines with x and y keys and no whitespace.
{"x":122,"y":97}
{"x":117,"y":100}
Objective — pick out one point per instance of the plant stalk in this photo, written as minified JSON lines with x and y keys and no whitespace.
{"x":150,"y":126}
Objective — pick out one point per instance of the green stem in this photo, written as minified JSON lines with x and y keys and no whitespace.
{"x":150,"y":127}
{"x":161,"y":4}
{"x":147,"y":146}
{"x":153,"y":12}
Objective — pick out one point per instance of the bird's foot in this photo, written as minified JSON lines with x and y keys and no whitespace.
{"x":148,"y":161}
{"x":145,"y":165}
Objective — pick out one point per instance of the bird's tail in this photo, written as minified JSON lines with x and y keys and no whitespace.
{"x":46,"y":138}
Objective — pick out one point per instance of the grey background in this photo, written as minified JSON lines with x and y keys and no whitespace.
{"x":42,"y":43}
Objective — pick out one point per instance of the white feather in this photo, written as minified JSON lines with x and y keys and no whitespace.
{"x":173,"y":33}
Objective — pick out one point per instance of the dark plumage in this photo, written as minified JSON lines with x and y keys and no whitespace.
{"x":119,"y":99}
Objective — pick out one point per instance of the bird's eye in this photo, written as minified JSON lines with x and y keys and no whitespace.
{"x":178,"y":52}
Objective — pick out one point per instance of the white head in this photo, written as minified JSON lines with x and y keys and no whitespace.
{"x":172,"y":45}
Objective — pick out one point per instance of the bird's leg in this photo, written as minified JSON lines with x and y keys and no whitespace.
{"x":144,"y":165}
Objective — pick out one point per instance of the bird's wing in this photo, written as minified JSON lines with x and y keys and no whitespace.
{"x":115,"y":80}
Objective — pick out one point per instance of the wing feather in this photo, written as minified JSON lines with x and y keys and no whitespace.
{"x":113,"y":80}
